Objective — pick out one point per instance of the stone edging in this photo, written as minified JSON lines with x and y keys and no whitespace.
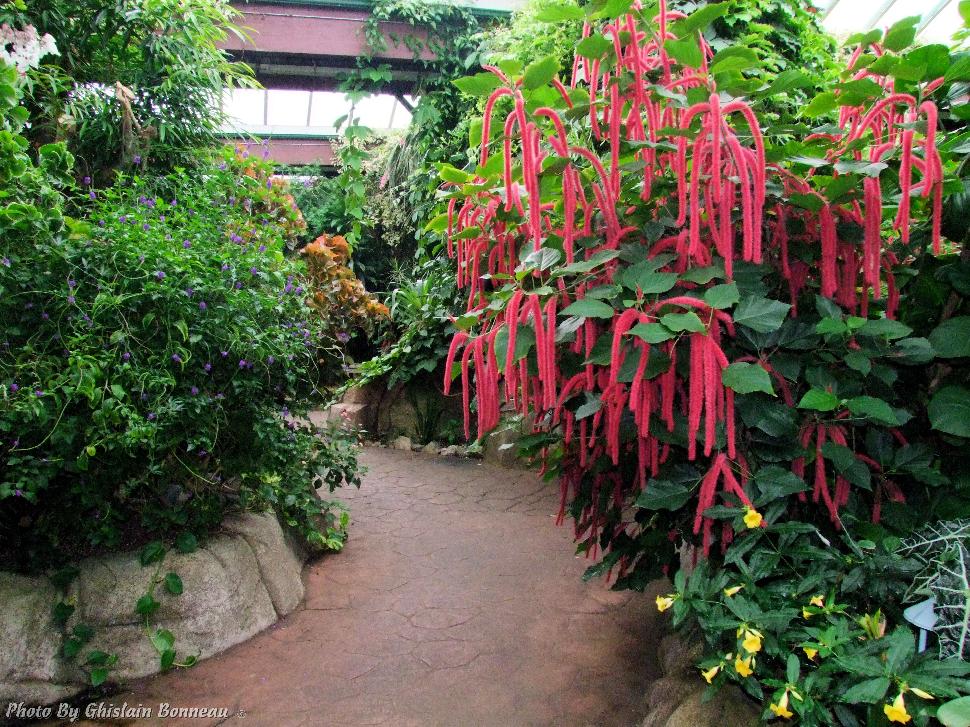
{"x":237,"y":584}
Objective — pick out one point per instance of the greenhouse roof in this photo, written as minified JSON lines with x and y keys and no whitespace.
{"x":295,"y":114}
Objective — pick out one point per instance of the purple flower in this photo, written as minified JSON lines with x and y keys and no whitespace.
{"x":70,"y":300}
{"x":225,"y":354}
{"x":18,"y":493}
{"x":189,"y":292}
{"x":141,"y":258}
{"x":262,"y":248}
{"x":126,"y":356}
{"x":220,"y":395}
{"x":146,"y":227}
{"x":223,"y":166}
{"x":202,"y":305}
{"x":299,"y":289}
{"x":14,"y":387}
{"x":176,"y":358}
{"x":151,"y":416}
{"x":194,"y":390}
{"x":45,"y":316}
{"x":159,"y":274}
{"x":39,"y":392}
{"x":144,"y":396}
{"x":270,"y":360}
{"x":254,"y":271}
{"x":225,"y":267}
{"x":343,"y":337}
{"x":100,"y":223}
{"x":174,"y":203}
{"x":137,"y":159}
{"x":71,"y":283}
{"x":207,"y":367}
{"x":238,"y":285}
{"x":186,"y":244}
{"x":87,"y":180}
{"x":123,"y":218}
{"x":92,"y":194}
{"x":203,"y":453}
{"x":243,"y":363}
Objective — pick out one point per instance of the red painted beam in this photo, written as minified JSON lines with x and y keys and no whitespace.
{"x":323,"y":33}
{"x":293,"y":151}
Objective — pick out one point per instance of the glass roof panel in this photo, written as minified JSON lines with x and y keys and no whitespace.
{"x":941,"y":18}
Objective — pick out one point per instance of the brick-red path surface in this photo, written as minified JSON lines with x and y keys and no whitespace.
{"x":457,"y":601}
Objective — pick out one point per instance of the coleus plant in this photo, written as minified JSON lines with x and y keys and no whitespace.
{"x":708,"y":318}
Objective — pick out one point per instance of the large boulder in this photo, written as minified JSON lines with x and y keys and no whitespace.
{"x":234,"y":586}
{"x":30,"y":669}
{"x":728,"y":707}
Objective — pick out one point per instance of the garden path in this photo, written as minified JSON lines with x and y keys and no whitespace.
{"x":457,"y":601}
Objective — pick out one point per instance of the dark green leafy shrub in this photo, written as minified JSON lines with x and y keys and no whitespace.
{"x":154,"y":362}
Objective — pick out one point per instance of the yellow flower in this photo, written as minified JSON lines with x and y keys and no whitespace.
{"x":818,"y":601}
{"x":732,"y":590}
{"x":810,"y":652}
{"x":752,"y":642}
{"x":665,"y":602}
{"x":711,"y":673}
{"x":896,"y":712}
{"x":752,"y":518}
{"x":920,"y":693}
{"x":781,"y":709}
{"x":806,"y":613}
{"x":744,"y":666}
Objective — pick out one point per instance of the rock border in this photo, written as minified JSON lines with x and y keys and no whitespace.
{"x":238,"y":583}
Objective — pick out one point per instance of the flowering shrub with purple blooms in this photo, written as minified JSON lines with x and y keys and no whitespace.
{"x":154,"y":362}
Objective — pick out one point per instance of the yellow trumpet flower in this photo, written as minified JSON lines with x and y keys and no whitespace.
{"x":752,"y":518}
{"x":781,"y":709}
{"x":920,"y":693}
{"x":744,"y":667}
{"x":818,"y":601}
{"x":711,"y":673}
{"x":896,"y":712}
{"x":806,"y":613}
{"x":733,"y":590}
{"x":752,"y":641}
{"x":810,"y":652}
{"x":665,"y":602}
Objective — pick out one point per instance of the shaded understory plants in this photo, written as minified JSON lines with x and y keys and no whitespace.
{"x":736,"y":331}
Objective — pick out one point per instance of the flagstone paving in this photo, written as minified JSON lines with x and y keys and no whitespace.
{"x":457,"y":601}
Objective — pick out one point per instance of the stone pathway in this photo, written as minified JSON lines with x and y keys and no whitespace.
{"x":457,"y":601}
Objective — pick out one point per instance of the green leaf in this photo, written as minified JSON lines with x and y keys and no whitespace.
{"x":913,"y":351}
{"x":686,"y":52}
{"x":761,"y":314}
{"x":689,"y":321}
{"x":747,"y":378}
{"x":438,"y":224}
{"x":722,"y":296}
{"x":874,"y":409}
{"x":167,"y":659}
{"x":647,"y":281}
{"x":823,"y":103}
{"x":152,"y":552}
{"x":788,"y":81}
{"x":147,"y":605}
{"x":540,"y":73}
{"x":560,"y":13}
{"x":589,"y":308}
{"x":700,"y":19}
{"x":173,"y":584}
{"x":663,"y":495}
{"x":593,"y":47}
{"x":98,"y":676}
{"x":884,"y":328}
{"x":902,"y":33}
{"x":481,"y":84}
{"x":777,"y":482}
{"x":162,"y":640}
{"x":949,"y":411}
{"x":71,"y":648}
{"x":652,"y":332}
{"x":955,"y":713}
{"x":186,"y":542}
{"x":584,"y":266}
{"x":951,"y":339}
{"x":858,"y":361}
{"x":819,"y":400}
{"x":869,"y":691}
{"x":592,"y":406}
